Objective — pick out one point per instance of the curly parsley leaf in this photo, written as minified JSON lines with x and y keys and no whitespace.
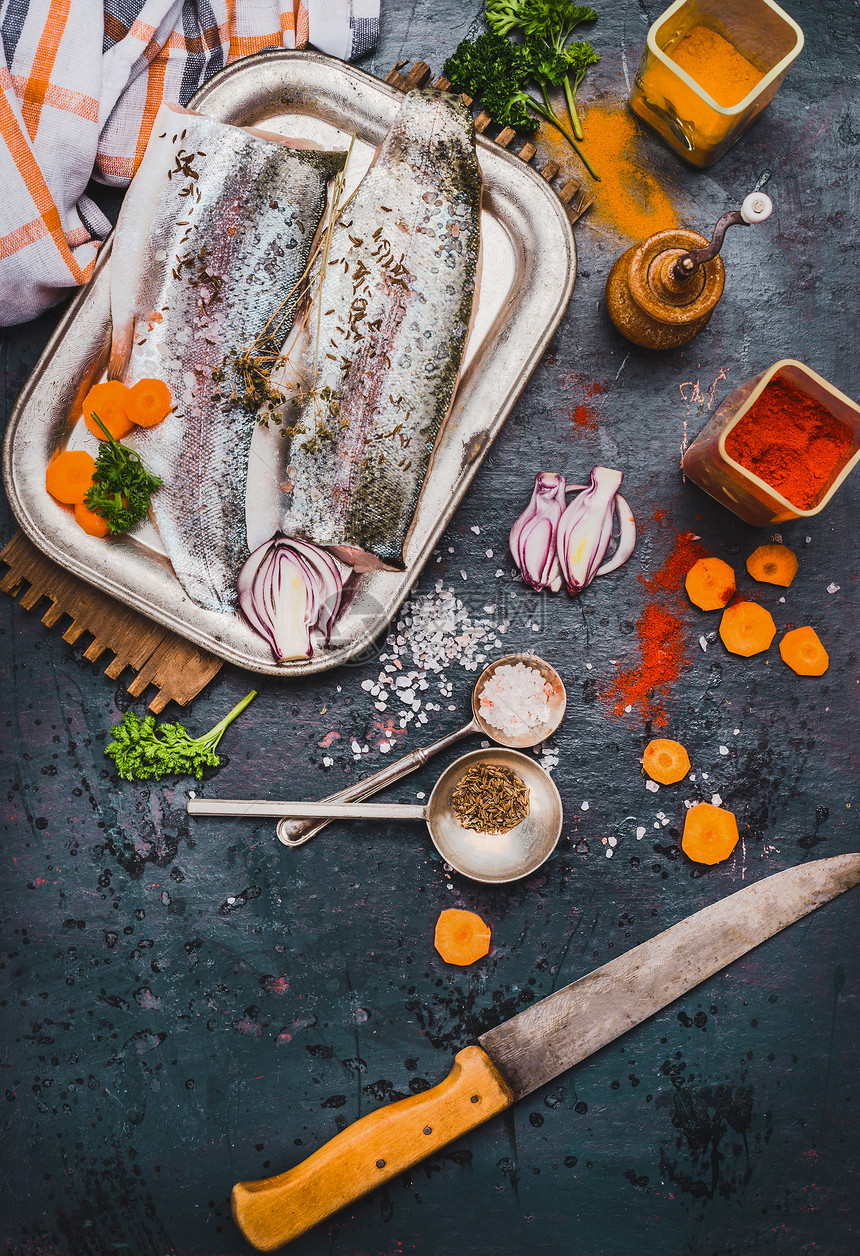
{"x":141,"y":751}
{"x":121,"y":487}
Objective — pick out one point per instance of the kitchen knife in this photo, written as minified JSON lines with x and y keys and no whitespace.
{"x":530,"y":1049}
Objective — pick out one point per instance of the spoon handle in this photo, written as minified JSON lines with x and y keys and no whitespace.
{"x":293,"y":832}
{"x":309,"y":810}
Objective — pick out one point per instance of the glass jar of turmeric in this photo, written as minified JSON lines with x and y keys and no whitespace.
{"x":709,"y":68}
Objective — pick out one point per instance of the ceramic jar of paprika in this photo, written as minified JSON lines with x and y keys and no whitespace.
{"x":708,"y":464}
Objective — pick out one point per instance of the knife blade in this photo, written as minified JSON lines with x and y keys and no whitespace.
{"x":530,"y":1049}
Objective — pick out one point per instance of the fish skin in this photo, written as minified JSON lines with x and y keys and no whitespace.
{"x":202,"y":258}
{"x":405,"y":252}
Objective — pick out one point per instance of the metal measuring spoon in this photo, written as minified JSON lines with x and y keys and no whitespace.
{"x":493,"y":858}
{"x":293,"y":832}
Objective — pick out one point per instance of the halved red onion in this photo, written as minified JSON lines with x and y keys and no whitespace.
{"x":532,"y":538}
{"x":626,"y":542}
{"x":585,"y":529}
{"x":289,"y":589}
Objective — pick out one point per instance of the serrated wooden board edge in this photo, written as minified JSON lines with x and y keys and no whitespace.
{"x":571,"y":195}
{"x":179,"y":669}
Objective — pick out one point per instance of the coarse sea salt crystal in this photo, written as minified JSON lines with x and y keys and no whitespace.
{"x":833,"y":588}
{"x":724,"y":750}
{"x":716,"y":800}
{"x":514,"y":699}
{"x":653,"y":786}
{"x":640,"y":832}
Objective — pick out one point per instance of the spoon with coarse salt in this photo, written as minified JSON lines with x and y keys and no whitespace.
{"x":518,"y":701}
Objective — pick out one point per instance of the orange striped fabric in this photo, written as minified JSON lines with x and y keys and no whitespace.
{"x":78,"y":100}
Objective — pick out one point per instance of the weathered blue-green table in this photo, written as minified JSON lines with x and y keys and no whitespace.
{"x":187,"y":1005}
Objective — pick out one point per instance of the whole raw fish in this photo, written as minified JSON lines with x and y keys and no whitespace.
{"x":386,"y":335}
{"x":209,"y":250}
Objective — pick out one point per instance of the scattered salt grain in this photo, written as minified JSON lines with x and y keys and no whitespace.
{"x":583,"y":806}
{"x":613,"y":841}
{"x":782,"y":599}
{"x":476,"y":529}
{"x":833,"y":588}
{"x":653,"y":786}
{"x":489,"y":553}
{"x":703,"y":643}
{"x":640,"y":832}
{"x":716,"y":800}
{"x":704,"y":776}
{"x":385,"y":746}
{"x":724,"y":750}
{"x":499,"y":573}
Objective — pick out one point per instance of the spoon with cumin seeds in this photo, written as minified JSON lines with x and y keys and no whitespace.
{"x":521,"y":799}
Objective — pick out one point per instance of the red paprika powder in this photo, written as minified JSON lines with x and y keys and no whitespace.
{"x":789,"y":440}
{"x":662,"y":633}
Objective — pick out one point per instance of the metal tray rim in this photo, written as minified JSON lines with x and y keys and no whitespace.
{"x":340,"y":654}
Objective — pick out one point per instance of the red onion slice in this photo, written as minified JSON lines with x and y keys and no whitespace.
{"x":626,"y":533}
{"x":532,"y":538}
{"x":585,"y":529}
{"x":289,"y":589}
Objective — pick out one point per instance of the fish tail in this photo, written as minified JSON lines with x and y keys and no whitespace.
{"x":120,"y":350}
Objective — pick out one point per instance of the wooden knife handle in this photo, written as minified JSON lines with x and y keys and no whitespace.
{"x":372,"y":1151}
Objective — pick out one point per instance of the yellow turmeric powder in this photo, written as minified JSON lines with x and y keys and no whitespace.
{"x":632,"y":198}
{"x":716,"y":65}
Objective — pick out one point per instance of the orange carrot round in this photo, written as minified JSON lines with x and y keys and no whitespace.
{"x":773,"y":564}
{"x":92,"y":523}
{"x":110,"y":402}
{"x":710,"y":583}
{"x":710,"y":833}
{"x":149,"y":402}
{"x":461,"y":936}
{"x":665,"y":761}
{"x":803,"y":652}
{"x":69,"y":477}
{"x":747,"y":628}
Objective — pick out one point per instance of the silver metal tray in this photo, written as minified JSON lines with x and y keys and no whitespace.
{"x":529,"y":268}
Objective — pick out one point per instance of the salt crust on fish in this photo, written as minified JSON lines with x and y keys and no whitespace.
{"x":211,"y":243}
{"x":386,"y":336}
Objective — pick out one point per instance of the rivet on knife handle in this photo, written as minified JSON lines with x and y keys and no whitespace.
{"x":375,"y":1149}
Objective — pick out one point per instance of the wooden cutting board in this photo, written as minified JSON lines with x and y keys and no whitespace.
{"x":178,"y":669}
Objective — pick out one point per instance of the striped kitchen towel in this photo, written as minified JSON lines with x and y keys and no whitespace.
{"x":80,"y":84}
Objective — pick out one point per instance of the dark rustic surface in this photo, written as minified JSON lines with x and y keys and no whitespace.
{"x":189,"y":1005}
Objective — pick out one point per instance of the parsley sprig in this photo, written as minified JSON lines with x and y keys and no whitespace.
{"x":142,"y":752}
{"x":548,"y":26}
{"x":122,"y":486}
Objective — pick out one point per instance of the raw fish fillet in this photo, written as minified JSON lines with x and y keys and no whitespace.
{"x":212,"y":240}
{"x":386,"y":335}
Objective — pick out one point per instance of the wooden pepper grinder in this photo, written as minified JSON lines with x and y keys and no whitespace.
{"x":662,"y":291}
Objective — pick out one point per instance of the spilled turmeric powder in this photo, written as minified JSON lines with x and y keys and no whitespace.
{"x":630,"y":198}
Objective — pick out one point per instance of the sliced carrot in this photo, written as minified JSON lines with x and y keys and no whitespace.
{"x":110,"y":402}
{"x":747,"y":628}
{"x":804,"y":653}
{"x":773,"y":564}
{"x":710,"y":833}
{"x":665,"y":761}
{"x":149,"y":402}
{"x":90,"y":521}
{"x":710,"y":583}
{"x":461,"y":936}
{"x":69,"y":477}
